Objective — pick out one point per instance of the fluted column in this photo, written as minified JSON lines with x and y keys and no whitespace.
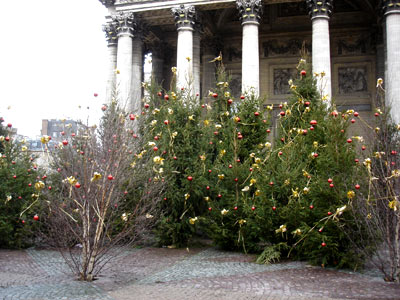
{"x":391,"y":10}
{"x":250,"y":15}
{"x":112,"y":42}
{"x":185,"y":20}
{"x":209,"y":53}
{"x":157,"y":58}
{"x":125,"y":26}
{"x":137,"y":75}
{"x":320,"y":12}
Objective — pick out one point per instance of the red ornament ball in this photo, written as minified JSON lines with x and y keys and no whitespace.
{"x":376,"y":114}
{"x":357,"y":186}
{"x":230,"y":101}
{"x":166,"y":122}
{"x":110,"y":177}
{"x":95,"y":94}
{"x":175,"y":158}
{"x":235,"y":208}
{"x":329,"y":213}
{"x":210,"y":209}
{"x":36,"y":217}
{"x":236,"y":179}
{"x":215,"y":95}
{"x":349,"y":141}
{"x":331,"y":185}
{"x":303,"y":72}
{"x":282,"y":113}
{"x":190,"y":178}
{"x":313,"y":122}
{"x":274,"y":208}
{"x":9,"y":125}
{"x":166,"y":97}
{"x":207,"y":187}
{"x":132,"y":117}
{"x":323,"y":244}
{"x":65,"y":142}
{"x":104,"y":108}
{"x":352,"y":121}
{"x":242,"y":97}
{"x":155,"y":148}
{"x":159,"y":94}
{"x":311,"y":206}
{"x":356,"y":114}
{"x":256,"y":113}
{"x":268,"y":130}
{"x":363,"y":147}
{"x":77,"y":185}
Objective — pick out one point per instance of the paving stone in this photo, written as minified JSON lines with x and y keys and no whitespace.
{"x":174,"y":274}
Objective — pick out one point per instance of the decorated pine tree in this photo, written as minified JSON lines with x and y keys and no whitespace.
{"x":238,"y":127}
{"x":174,"y":141}
{"x":17,"y":190}
{"x":308,"y":177}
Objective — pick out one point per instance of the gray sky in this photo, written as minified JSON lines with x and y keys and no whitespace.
{"x":53,"y":58}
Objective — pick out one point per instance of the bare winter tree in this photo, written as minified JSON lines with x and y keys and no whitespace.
{"x":99,"y":201}
{"x":376,"y":229}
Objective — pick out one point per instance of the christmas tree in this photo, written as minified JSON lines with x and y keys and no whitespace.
{"x":18,"y":174}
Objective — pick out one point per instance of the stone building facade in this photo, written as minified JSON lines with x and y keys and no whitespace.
{"x":353,"y":42}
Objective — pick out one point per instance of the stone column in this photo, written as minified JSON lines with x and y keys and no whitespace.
{"x":184,"y":19}
{"x":320,"y":12}
{"x":209,"y":53}
{"x":137,"y":75}
{"x":125,"y":26}
{"x":112,"y":42}
{"x":250,"y":15}
{"x":196,"y":62}
{"x":157,"y":62}
{"x":391,"y":10}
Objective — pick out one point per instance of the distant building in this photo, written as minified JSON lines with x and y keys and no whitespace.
{"x":54,"y":128}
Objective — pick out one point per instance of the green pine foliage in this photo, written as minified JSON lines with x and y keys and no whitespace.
{"x":173,"y":137}
{"x":312,"y":168}
{"x":227,"y":178}
{"x":17,"y":180}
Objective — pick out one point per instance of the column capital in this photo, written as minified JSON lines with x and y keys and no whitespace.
{"x":250,"y":11}
{"x":319,"y":8}
{"x":390,"y":6}
{"x":185,"y":16}
{"x":111,"y":33}
{"x":107,"y":3}
{"x":124,"y":23}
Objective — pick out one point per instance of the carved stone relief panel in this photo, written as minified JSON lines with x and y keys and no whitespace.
{"x":281,"y":79}
{"x":352,"y":80}
{"x":290,"y":47}
{"x":355,"y":45}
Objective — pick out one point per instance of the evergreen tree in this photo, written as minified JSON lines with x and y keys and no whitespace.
{"x":17,"y":187}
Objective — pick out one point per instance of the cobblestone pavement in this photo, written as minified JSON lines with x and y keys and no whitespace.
{"x":205,"y":273}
